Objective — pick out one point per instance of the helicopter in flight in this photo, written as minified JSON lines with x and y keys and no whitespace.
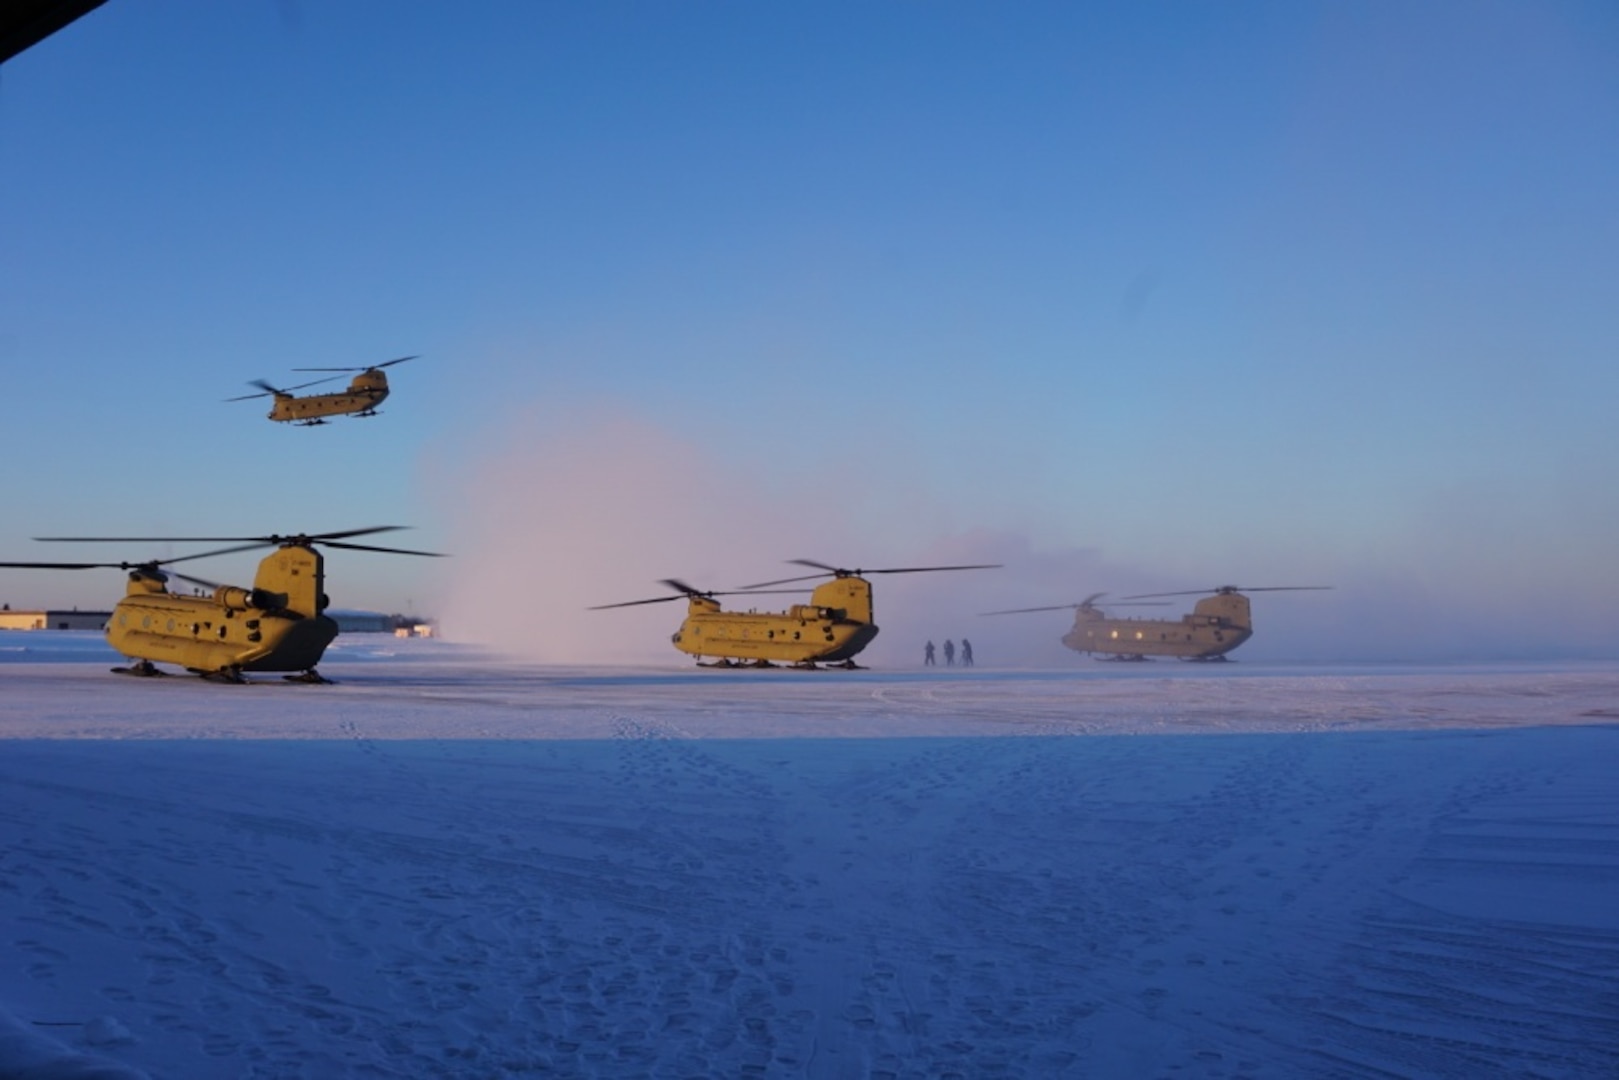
{"x":277,"y":625}
{"x":365,"y":392}
{"x":1217,"y":624}
{"x":831,"y":629}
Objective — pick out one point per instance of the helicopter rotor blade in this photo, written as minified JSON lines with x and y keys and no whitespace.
{"x":930,"y":569}
{"x":368,"y":367}
{"x":250,"y":543}
{"x":372,"y":547}
{"x":258,"y":541}
{"x":819,"y":566}
{"x":686,"y":592}
{"x":1282,"y":588}
{"x":142,"y":564}
{"x":1230,"y":589}
{"x":782,"y":581}
{"x":204,"y":582}
{"x":637,"y":603}
{"x":315,"y":382}
{"x":1026,"y":610}
{"x":836,"y":571}
{"x":265,"y":390}
{"x":210,"y":554}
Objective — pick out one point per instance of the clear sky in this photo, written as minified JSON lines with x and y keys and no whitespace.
{"x":1133,"y":297}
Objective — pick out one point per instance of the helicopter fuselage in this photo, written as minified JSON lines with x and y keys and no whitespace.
{"x":832,"y":628}
{"x":366,"y":391}
{"x":1216,"y":625}
{"x":277,"y":625}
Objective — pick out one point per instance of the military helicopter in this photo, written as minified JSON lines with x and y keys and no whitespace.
{"x":366,"y":391}
{"x":277,"y":625}
{"x":1218,"y":623}
{"x":831,"y":629}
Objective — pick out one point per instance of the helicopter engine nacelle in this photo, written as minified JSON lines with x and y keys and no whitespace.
{"x":371,"y":381}
{"x":296,"y":576}
{"x":852,"y":595}
{"x":234,"y":597}
{"x":1225,"y":608}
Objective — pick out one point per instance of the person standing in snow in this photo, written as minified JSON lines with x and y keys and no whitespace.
{"x":927,"y":655}
{"x":966,"y":653}
{"x":949,"y":653}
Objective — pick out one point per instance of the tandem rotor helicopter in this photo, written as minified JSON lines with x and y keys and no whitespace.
{"x":831,"y":629}
{"x":366,"y":391}
{"x":1217,"y":624}
{"x":277,"y":625}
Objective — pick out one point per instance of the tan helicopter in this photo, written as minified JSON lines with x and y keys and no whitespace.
{"x":1218,"y":623}
{"x":831,"y":629}
{"x":278,"y":625}
{"x":366,"y":391}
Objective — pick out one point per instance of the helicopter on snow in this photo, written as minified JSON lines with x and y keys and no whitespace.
{"x":831,"y":629}
{"x":1217,"y":624}
{"x":365,"y":392}
{"x":277,"y":625}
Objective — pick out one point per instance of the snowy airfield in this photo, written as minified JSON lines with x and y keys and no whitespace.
{"x":448,"y":865}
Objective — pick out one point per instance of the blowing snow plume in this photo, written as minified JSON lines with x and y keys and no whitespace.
{"x":558,"y":519}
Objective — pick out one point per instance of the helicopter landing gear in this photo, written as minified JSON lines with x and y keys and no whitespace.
{"x":232,"y":675}
{"x":143,"y":669}
{"x":759,"y":664}
{"x":311,"y":676}
{"x":849,"y":665}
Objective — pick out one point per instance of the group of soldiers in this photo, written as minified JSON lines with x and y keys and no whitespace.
{"x":949,"y":654}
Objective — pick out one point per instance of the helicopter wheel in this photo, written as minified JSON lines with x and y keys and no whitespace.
{"x":849,"y":665}
{"x":145,"y":669}
{"x":224,"y":675}
{"x":311,"y":677}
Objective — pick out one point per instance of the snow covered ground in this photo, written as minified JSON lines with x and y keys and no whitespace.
{"x":447,"y":865}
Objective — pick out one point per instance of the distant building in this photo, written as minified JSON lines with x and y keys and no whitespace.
{"x":53,"y":620}
{"x":362,"y":622}
{"x":375,"y":622}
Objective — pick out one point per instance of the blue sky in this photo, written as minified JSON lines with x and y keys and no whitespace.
{"x":1149,"y":296}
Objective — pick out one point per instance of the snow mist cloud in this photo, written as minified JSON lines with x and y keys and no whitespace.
{"x":552,"y":516}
